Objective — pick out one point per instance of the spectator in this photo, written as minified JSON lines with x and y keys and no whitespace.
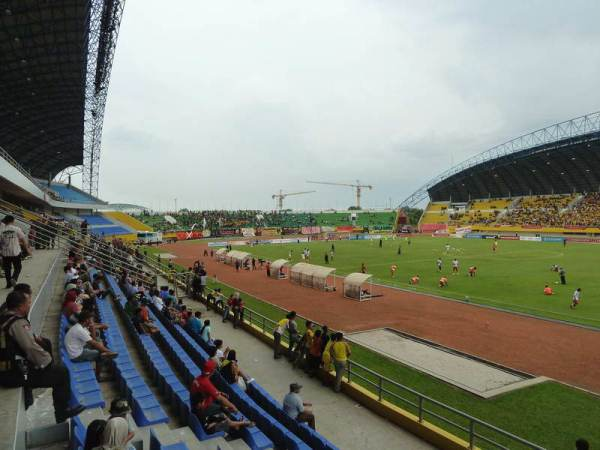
{"x":582,"y":444}
{"x":212,"y":407}
{"x":292,"y":329}
{"x":340,"y":352}
{"x":158,"y":302}
{"x":81,"y":346}
{"x":23,"y":352}
{"x":132,"y":305}
{"x":220,"y":354}
{"x":280,"y":329}
{"x":93,"y":435}
{"x":296,"y":408}
{"x":304,"y":345}
{"x":231,"y":372}
{"x":315,"y":353}
{"x":144,"y":321}
{"x":12,"y":243}
{"x":205,"y":332}
{"x":195,"y":324}
{"x":117,"y":431}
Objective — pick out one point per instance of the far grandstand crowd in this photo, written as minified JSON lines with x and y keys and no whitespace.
{"x":539,"y":211}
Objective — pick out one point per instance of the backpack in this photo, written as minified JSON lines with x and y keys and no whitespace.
{"x":93,"y":437}
{"x":8,"y":346}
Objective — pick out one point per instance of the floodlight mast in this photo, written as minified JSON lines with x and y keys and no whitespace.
{"x":358,"y":187}
{"x":281,"y":196}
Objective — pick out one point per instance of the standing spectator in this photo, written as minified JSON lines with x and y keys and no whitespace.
{"x":296,"y":408}
{"x":340,"y":352}
{"x":237,"y":308}
{"x":12,"y":243}
{"x":315,"y":353}
{"x":304,"y":345}
{"x":292,"y":329}
{"x":280,"y":329}
{"x":23,"y":352}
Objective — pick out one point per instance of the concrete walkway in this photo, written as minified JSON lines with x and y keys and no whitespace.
{"x":346,"y":423}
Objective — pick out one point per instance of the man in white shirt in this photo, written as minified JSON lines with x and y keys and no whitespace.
{"x":81,"y":346}
{"x":576,"y":298}
{"x":12,"y":240}
{"x":158,"y":302}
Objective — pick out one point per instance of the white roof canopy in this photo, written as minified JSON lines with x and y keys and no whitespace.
{"x":278,"y":264}
{"x":356,"y":279}
{"x":221,"y":251}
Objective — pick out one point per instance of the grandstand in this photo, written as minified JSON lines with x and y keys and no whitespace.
{"x":290,"y":221}
{"x":543,"y":181}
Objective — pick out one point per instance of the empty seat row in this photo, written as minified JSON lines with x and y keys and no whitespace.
{"x":278,"y":433}
{"x":167,"y":382}
{"x":145,"y":407}
{"x":189,"y":370}
{"x":269,"y":404}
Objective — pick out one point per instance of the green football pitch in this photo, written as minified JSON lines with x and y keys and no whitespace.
{"x":511,"y":278}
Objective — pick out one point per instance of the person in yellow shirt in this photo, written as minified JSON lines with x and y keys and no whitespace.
{"x":280,"y":329}
{"x":326,"y":358}
{"x":340,"y":352}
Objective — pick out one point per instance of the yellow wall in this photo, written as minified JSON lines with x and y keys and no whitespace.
{"x":127,"y":220}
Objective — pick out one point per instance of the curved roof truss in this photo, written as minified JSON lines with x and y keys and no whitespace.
{"x":564,"y":133}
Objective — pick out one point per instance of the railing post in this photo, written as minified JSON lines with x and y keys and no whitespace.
{"x":471,"y":433}
{"x":348,"y":369}
{"x":420,"y":408}
{"x":379,"y":388}
{"x":263,"y":324}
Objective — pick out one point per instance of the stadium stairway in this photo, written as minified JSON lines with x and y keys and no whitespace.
{"x":174,"y":391}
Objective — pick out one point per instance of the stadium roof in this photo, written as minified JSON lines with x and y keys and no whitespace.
{"x":44,"y":78}
{"x":560,"y":159}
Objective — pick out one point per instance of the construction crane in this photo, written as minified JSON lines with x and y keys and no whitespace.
{"x":358,"y":187}
{"x":281,"y":196}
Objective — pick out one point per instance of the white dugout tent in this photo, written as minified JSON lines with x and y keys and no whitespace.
{"x":358,"y":286}
{"x":311,"y":275}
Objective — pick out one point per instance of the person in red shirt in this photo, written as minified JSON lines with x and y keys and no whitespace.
{"x":211,"y":406}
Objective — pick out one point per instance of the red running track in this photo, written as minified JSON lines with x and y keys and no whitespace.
{"x":564,"y":352}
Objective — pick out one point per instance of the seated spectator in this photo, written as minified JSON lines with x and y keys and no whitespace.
{"x":93,"y":435}
{"x":220,"y":354}
{"x":205,"y":332}
{"x":212,"y":407}
{"x":144,"y":322}
{"x":157,"y":301}
{"x":195,"y":323}
{"x":81,"y":346}
{"x":184,"y":315}
{"x":28,"y":352}
{"x":296,"y":408}
{"x":132,"y":305}
{"x":548,"y":290}
{"x":231,"y":372}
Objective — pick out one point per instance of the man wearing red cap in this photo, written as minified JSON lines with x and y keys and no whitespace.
{"x":210,"y":405}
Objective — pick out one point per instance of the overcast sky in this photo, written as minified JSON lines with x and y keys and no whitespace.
{"x":222,"y":103}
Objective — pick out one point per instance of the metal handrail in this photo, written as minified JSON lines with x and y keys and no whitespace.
{"x":422,"y":401}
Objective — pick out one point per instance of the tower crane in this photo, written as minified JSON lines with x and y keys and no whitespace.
{"x":281,"y":196}
{"x":358,"y":187}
